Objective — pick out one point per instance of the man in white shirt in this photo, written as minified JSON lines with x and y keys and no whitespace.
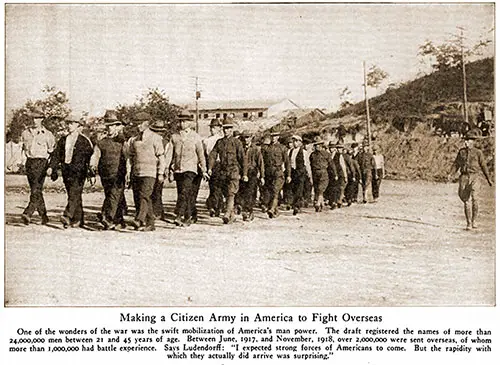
{"x":215,"y":199}
{"x":37,"y":144}
{"x":378,"y":172}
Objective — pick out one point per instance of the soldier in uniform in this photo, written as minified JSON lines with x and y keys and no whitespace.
{"x":307,"y":148}
{"x":340,"y":177}
{"x":264,"y":194}
{"x":470,"y":162}
{"x":247,"y":193}
{"x":146,"y":165}
{"x":321,"y":163}
{"x":188,"y":161}
{"x":215,"y":199}
{"x":365,"y":161}
{"x":37,"y":143}
{"x":109,"y":162}
{"x":277,"y":169}
{"x":72,"y":154}
{"x":233,"y":166}
{"x":298,"y":173}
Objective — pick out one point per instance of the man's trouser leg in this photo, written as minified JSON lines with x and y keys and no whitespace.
{"x":307,"y":190}
{"x":74,"y":184}
{"x":298,"y":180}
{"x":112,"y":208}
{"x":467,"y":185}
{"x":145,"y":187}
{"x":376,"y":183}
{"x":194,"y":194}
{"x":36,"y":168}
{"x":275,"y":188}
{"x":340,"y":192}
{"x":185,"y":188}
{"x":250,"y":194}
{"x":366,"y":178}
{"x":157,"y":199}
{"x":232,"y":186}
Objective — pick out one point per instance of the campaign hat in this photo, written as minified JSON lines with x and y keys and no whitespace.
{"x":110,"y":118}
{"x":472,"y":134}
{"x":274,"y":134}
{"x":158,"y":126}
{"x":227,"y":123}
{"x":215,"y":123}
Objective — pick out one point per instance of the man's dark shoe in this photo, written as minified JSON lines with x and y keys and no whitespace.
{"x":251,"y":216}
{"x":178,"y":222}
{"x":25,"y":218}
{"x":45,"y":219}
{"x":65,"y":221}
{"x":136,"y":224}
{"x":244,"y":215}
{"x":149,"y":228}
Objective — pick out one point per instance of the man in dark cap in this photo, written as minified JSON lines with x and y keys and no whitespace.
{"x":37,"y":143}
{"x":470,"y":162}
{"x":72,"y":154}
{"x":248,"y":190}
{"x":215,"y":199}
{"x":351,"y":189}
{"x":366,"y":166}
{"x":277,"y":171}
{"x":159,"y":128}
{"x":233,"y":166}
{"x":298,"y":173}
{"x":321,"y":163}
{"x":146,"y":155}
{"x":109,"y":161}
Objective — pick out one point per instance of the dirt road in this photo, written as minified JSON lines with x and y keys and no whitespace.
{"x":409,"y":249}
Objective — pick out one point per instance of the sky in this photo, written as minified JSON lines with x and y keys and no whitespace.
{"x":104,"y":55}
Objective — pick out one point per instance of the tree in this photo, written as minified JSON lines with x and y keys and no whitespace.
{"x":345,"y":96}
{"x":375,"y":76}
{"x":154,"y":102}
{"x":449,"y":53}
{"x":54,"y":105}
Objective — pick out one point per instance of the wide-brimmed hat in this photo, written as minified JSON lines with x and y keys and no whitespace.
{"x":227,"y":123}
{"x":215,"y":122}
{"x":73,"y":118}
{"x":111,"y":118}
{"x":318,"y":141}
{"x":158,"y":126}
{"x":246,"y":133}
{"x":36,"y":113}
{"x":142,"y":117}
{"x":274,"y":134}
{"x":472,"y":134}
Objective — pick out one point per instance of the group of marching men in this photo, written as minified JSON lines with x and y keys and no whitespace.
{"x":238,"y":170}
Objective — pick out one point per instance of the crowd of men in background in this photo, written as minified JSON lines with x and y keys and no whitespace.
{"x":243,"y":172}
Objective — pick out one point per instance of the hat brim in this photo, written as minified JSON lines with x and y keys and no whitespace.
{"x":112,"y":122}
{"x":227,"y":125}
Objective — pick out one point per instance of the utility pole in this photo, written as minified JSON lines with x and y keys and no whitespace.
{"x":368,"y":129}
{"x":197,"y":96}
{"x":464,"y":75}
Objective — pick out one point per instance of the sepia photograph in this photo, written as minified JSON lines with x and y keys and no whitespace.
{"x":249,"y":155}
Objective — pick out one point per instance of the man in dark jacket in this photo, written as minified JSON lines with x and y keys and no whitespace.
{"x":351,"y":189}
{"x":365,"y":161}
{"x":277,"y":171}
{"x":233,"y":166}
{"x":72,"y":154}
{"x":248,"y":190}
{"x":109,"y":162}
{"x":321,"y":163}
{"x":298,"y":173}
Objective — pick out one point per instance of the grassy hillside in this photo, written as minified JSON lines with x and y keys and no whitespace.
{"x":418,"y":97}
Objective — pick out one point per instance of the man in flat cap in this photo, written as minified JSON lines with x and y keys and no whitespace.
{"x":188,"y":161}
{"x":338,"y":184}
{"x":109,"y":161}
{"x":37,"y":144}
{"x":470,"y":162}
{"x":277,"y":171}
{"x":321,"y":163}
{"x":215,"y":199}
{"x":233,"y":166}
{"x":248,"y":189}
{"x":146,"y":157}
{"x":72,"y":155}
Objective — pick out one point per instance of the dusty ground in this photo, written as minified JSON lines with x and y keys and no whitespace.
{"x":409,"y":249}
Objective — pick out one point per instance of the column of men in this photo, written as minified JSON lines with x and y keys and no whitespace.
{"x":237,"y":170}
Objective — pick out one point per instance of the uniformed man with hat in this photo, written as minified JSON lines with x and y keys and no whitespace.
{"x":72,"y":155}
{"x":320,"y":164}
{"x":215,"y":199}
{"x":247,"y":193}
{"x":233,"y":166}
{"x":338,"y":177}
{"x":470,"y":162}
{"x":188,"y":161}
{"x":277,"y":171}
{"x":37,"y":143}
{"x":109,"y":161}
{"x":146,"y":157}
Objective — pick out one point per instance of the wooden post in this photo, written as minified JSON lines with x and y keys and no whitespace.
{"x":368,"y":129}
{"x":464,"y":76}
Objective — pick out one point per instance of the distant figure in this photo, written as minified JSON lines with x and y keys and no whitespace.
{"x":470,"y":162}
{"x":37,"y":143}
{"x":15,"y":159}
{"x":378,"y":172}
